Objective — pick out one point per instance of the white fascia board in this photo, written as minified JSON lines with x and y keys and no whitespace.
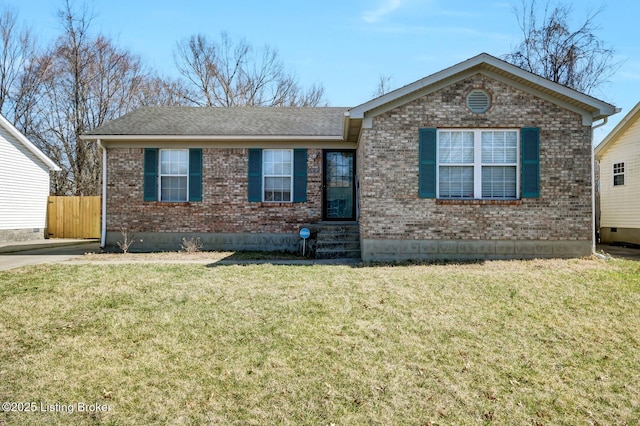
{"x":472,"y":66}
{"x":217,"y":138}
{"x":401,"y":93}
{"x":604,"y":109}
{"x":28,"y":144}
{"x":587,"y":117}
{"x":623,"y":125}
{"x":411,"y":96}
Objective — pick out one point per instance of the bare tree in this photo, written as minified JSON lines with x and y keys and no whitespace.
{"x":384,"y":85}
{"x":17,"y":52}
{"x":82,"y":82}
{"x":551,"y":48}
{"x":163,"y":91}
{"x":229,"y":73}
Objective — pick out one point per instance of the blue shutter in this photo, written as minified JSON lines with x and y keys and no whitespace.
{"x":299,"y":175}
{"x":150,"y":191}
{"x":195,"y":175}
{"x":255,"y":175}
{"x":530,"y":162}
{"x":427,"y":166}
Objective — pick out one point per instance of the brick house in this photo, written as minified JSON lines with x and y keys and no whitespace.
{"x":481,"y":160}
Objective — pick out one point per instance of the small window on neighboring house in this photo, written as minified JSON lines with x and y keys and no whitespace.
{"x":618,"y":174}
{"x":174,"y":174}
{"x":278,"y":174}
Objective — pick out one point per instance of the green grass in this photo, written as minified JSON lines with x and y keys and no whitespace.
{"x":532,"y":342}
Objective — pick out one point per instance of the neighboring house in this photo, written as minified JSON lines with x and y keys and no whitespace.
{"x":478,"y":161}
{"x":24,"y":186}
{"x":619,"y":158}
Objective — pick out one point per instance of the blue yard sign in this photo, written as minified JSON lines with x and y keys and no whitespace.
{"x":305,"y":233}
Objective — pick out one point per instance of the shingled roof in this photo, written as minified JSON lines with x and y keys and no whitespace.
{"x":221,"y":122}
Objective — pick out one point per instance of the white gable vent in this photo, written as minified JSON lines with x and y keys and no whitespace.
{"x":478,"y":101}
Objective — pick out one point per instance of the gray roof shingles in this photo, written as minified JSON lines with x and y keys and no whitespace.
{"x":233,"y":121}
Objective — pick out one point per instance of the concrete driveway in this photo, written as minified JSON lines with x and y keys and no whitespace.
{"x":620,"y":251}
{"x":15,"y":255}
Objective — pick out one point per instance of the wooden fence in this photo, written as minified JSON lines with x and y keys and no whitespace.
{"x":74,"y":217}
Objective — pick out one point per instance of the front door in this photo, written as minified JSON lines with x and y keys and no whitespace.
{"x":339,"y":185}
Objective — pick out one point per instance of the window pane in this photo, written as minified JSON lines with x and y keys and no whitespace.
{"x":277,"y":163}
{"x":467,"y":143}
{"x":511,"y":147}
{"x":277,"y":189}
{"x":165,"y":161}
{"x":183,"y":162}
{"x":174,"y":161}
{"x":498,"y":182}
{"x":455,"y":147}
{"x":499,"y":147}
{"x":173,"y":188}
{"x":269,"y":168}
{"x":287,"y":168}
{"x":456,"y":182}
{"x":618,"y":180}
{"x":444,"y":147}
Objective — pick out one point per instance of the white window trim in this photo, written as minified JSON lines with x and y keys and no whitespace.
{"x":161,"y":175}
{"x":614,"y":174}
{"x":477,"y":164}
{"x":265,"y":176}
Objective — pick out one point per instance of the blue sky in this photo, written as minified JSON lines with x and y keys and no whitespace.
{"x":346,"y":45}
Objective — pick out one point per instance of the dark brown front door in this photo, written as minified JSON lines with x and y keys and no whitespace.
{"x":339,"y":185}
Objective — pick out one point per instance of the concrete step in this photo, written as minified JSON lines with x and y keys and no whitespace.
{"x":338,"y":231}
{"x":338,"y":245}
{"x":337,"y":254}
{"x":338,"y":236}
{"x":338,"y":241}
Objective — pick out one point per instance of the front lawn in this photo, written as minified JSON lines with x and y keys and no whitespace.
{"x":521,"y":342}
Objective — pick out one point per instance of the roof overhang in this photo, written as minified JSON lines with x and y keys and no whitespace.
{"x":213,"y":138}
{"x":218,"y":141}
{"x":631,"y":118}
{"x":591,"y":109}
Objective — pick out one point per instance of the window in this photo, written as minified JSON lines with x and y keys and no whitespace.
{"x":174,"y":174}
{"x":618,"y":174}
{"x":478,"y":164}
{"x":273,"y":178}
{"x":277,"y":174}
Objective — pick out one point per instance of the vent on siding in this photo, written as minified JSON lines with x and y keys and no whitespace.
{"x":478,"y":101}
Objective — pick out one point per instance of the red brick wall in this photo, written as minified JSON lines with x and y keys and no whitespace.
{"x":388,"y":171}
{"x":224,"y":206}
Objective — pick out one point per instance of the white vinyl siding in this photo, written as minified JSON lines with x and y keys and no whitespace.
{"x":24,"y":186}
{"x":620,"y":204}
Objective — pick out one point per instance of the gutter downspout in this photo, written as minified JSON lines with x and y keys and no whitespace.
{"x":593,"y":191}
{"x":103,"y":231}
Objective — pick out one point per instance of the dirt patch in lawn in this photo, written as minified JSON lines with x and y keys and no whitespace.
{"x":181,"y":256}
